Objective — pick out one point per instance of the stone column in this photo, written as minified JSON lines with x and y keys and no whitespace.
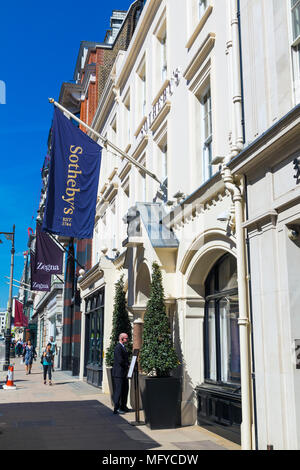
{"x":137,"y":333}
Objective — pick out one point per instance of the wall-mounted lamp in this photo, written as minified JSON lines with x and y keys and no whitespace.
{"x":224,"y":216}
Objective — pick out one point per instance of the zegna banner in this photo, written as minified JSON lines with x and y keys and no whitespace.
{"x":39,"y":281}
{"x":48,"y":255}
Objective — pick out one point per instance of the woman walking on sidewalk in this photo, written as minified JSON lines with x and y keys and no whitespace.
{"x":47,"y":361}
{"x":29,"y":354}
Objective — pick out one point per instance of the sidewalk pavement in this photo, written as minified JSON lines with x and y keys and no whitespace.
{"x":72,"y":414}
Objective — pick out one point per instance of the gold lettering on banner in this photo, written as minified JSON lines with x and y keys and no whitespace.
{"x":71,"y":185}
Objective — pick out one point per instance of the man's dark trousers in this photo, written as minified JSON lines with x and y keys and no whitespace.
{"x":119,"y":374}
{"x":120,"y":393}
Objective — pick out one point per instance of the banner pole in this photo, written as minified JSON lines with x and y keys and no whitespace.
{"x":106,"y":141}
{"x":63,"y":248}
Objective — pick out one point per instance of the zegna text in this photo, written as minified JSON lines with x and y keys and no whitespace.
{"x":71,"y":186}
{"x":47,"y":267}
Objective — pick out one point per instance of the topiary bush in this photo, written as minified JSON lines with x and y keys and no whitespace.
{"x":157,"y":356}
{"x":121,"y":323}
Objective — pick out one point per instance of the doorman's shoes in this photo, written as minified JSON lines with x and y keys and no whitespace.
{"x":118,"y":412}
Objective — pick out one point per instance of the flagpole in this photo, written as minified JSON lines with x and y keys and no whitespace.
{"x":106,"y":141}
{"x":15,"y":285}
{"x":19,"y":282}
{"x":63,"y":248}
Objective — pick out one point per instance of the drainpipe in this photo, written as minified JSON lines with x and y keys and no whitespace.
{"x":237,"y":131}
{"x":243,"y":320}
{"x":237,"y":143}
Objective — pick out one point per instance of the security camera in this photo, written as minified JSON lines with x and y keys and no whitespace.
{"x":293,"y":234}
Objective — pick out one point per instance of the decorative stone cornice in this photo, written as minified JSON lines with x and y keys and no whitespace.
{"x":137,"y":40}
{"x":125,"y":170}
{"x":269,"y":217}
{"x":269,"y":146}
{"x":200,"y":56}
{"x":159,"y":119}
{"x":199,"y":27}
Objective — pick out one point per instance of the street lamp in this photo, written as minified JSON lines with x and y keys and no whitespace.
{"x":9,"y":236}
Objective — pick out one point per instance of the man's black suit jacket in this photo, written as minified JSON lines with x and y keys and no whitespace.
{"x":121,"y":363}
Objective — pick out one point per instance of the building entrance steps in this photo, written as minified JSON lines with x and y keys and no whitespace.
{"x":71,"y":414}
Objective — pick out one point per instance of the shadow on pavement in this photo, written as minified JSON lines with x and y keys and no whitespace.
{"x":63,"y":383}
{"x":68,"y":425}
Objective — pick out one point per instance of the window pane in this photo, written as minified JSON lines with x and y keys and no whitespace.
{"x":296,"y":18}
{"x":207,"y":136}
{"x":211,"y":328}
{"x":98,"y":339}
{"x":207,"y":115}
{"x":207,"y":157}
{"x":164,"y":163}
{"x":202,"y":7}
{"x":227,"y":274}
{"x":164,"y":57}
{"x":92,"y":338}
{"x":229,"y":340}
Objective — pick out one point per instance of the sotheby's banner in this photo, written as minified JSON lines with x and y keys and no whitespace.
{"x":73,"y":180}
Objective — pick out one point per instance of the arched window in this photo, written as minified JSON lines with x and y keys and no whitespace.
{"x":221,"y":331}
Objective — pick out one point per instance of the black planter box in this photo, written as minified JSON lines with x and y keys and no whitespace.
{"x":160,"y":398}
{"x":94,"y":375}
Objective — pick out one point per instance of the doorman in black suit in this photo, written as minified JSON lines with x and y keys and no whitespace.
{"x":119,"y":374}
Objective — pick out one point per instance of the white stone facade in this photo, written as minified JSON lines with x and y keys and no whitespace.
{"x":174,"y":103}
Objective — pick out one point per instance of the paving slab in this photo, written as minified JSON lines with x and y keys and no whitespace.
{"x":72,"y":414}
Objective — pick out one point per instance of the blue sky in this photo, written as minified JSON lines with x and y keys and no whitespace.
{"x":39,"y":43}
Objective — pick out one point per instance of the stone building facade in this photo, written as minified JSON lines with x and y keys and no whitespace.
{"x":204,"y":94}
{"x":211,"y":109}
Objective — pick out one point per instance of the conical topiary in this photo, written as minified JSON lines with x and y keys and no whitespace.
{"x":157,"y":355}
{"x":121,"y":324}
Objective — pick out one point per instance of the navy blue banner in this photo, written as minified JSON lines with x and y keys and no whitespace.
{"x":73,"y":180}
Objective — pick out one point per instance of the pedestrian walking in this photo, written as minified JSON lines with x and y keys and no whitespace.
{"x":47,"y":361}
{"x":19,"y":348}
{"x":119,"y":375}
{"x":29,"y":354}
{"x":53,"y":349}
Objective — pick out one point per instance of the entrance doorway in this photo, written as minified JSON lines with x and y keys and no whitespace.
{"x":94,"y":338}
{"x":219,"y":397}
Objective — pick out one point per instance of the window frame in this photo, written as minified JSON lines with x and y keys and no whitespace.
{"x":141,"y":74}
{"x":216,"y":298}
{"x":296,"y":39}
{"x":295,"y":53}
{"x":160,"y":52}
{"x":94,"y":311}
{"x":207,"y":138}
